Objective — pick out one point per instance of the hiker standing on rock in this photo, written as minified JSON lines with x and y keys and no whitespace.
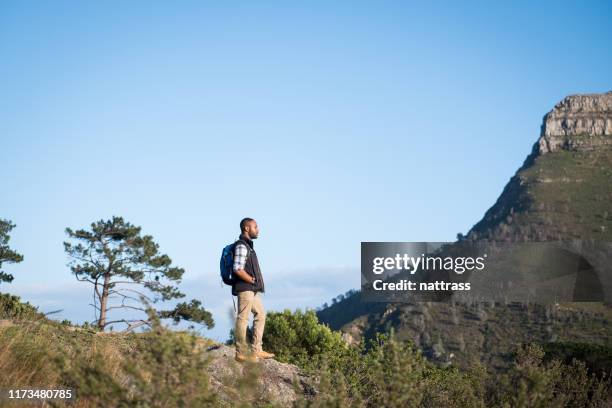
{"x":248,"y":286}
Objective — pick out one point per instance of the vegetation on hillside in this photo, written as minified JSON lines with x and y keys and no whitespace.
{"x":394,"y":373}
{"x":560,"y":195}
{"x":156,"y":368}
{"x":164,"y":368}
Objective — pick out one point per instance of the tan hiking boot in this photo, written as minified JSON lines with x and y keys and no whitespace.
{"x":264,"y":354}
{"x":251,"y":358}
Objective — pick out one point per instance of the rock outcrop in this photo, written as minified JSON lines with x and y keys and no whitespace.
{"x":578,"y":122}
{"x":275,"y":382}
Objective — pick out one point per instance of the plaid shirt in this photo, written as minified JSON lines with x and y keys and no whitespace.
{"x":240,"y":256}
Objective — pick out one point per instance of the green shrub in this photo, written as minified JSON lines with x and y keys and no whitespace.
{"x":597,"y":357}
{"x":11,"y":307}
{"x":298,"y":338}
{"x":533,"y":382}
{"x":165,"y":369}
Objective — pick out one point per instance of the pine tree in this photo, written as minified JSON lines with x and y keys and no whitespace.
{"x":7,"y":255}
{"x":123,"y":265}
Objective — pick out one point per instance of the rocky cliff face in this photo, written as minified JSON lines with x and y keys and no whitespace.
{"x":578,"y":122}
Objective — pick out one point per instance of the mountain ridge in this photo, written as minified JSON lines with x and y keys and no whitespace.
{"x":561,"y":192}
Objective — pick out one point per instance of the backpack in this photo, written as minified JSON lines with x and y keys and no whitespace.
{"x":227,"y":264}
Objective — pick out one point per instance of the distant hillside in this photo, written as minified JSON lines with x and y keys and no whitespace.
{"x":563,"y":191}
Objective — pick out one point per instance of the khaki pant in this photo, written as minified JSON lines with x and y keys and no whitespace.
{"x":248,"y":302}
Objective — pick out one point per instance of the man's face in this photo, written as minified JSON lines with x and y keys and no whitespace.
{"x":252,"y":229}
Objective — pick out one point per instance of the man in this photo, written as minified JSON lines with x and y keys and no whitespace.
{"x":248,"y":286}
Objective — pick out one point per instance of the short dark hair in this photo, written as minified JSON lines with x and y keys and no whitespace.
{"x":244,"y":223}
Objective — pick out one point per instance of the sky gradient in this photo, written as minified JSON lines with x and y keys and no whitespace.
{"x":331,"y":124}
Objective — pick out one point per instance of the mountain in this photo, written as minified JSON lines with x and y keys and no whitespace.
{"x":562,"y":192}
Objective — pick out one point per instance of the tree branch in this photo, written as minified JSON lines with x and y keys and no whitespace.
{"x":126,"y":306}
{"x":95,"y":306}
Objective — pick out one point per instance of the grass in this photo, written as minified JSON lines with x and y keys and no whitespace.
{"x":154,"y":368}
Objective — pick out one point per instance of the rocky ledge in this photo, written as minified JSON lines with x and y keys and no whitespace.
{"x":578,"y":122}
{"x":279,"y":383}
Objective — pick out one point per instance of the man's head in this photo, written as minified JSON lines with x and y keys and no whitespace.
{"x":249,"y":228}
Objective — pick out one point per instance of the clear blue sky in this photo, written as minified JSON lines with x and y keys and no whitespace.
{"x":331,"y":124}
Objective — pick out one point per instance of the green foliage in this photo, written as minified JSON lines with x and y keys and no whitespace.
{"x":467,"y":338}
{"x":156,"y":368}
{"x":401,"y":376}
{"x":11,"y":307}
{"x":191,"y":311}
{"x":597,"y":357}
{"x":560,"y":195}
{"x":298,"y":338}
{"x":332,"y":391}
{"x":534,"y":383}
{"x":166,"y":369}
{"x":7,"y":255}
{"x":394,"y":373}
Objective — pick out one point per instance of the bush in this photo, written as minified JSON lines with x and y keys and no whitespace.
{"x":298,"y":338}
{"x":166,"y":369}
{"x":598,"y":358}
{"x":11,"y":307}
{"x":532,"y":382}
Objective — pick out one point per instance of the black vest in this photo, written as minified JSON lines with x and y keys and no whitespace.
{"x":252,"y":268}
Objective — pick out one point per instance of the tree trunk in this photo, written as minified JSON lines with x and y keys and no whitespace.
{"x":104,"y":301}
